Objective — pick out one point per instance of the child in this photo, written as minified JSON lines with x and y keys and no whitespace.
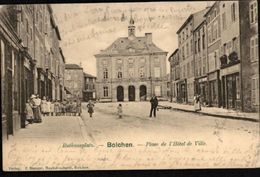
{"x":29,"y":112}
{"x":90,"y":107}
{"x":119,"y":111}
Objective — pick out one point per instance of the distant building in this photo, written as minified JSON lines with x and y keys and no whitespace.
{"x":74,"y":81}
{"x":214,"y":42}
{"x":131,"y":69}
{"x":175,"y":76}
{"x":89,"y":88}
{"x":186,"y":55}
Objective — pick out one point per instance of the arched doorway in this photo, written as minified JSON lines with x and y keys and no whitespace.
{"x":142,"y":92}
{"x":120,"y":93}
{"x":131,"y":93}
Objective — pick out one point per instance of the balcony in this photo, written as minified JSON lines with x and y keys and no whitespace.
{"x":232,"y":60}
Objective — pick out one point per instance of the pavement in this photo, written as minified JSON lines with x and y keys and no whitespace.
{"x":214,"y":111}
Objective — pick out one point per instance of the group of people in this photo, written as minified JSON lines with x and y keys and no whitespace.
{"x":36,"y":108}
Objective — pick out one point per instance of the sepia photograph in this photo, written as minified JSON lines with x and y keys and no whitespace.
{"x":130,"y":86}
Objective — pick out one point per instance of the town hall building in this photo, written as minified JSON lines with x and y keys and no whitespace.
{"x":131,"y":69}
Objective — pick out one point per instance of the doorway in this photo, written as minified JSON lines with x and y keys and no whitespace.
{"x":120,"y":93}
{"x":143,"y":93}
{"x":131,"y":93}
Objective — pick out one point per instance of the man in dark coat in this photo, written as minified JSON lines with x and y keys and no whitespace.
{"x":154,"y":104}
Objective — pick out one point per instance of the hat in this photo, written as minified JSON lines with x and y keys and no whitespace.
{"x":33,"y":96}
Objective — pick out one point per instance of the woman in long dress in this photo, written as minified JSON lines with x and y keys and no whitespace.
{"x":197,"y":105}
{"x":90,"y":107}
{"x":44,"y":106}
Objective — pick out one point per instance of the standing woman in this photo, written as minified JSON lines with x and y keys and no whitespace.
{"x":56,"y":108}
{"x":90,"y":107}
{"x":51,"y":108}
{"x":48,"y":107}
{"x":44,"y":106}
{"x":197,"y":106}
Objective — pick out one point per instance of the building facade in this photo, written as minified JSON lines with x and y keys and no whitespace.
{"x":175,"y":77}
{"x":24,"y":35}
{"x":74,"y":81}
{"x":89,"y":88}
{"x":131,"y":69}
{"x":201,"y":62}
{"x":214,"y":43}
{"x":248,"y":15}
{"x":186,"y":55}
{"x":230,"y":55}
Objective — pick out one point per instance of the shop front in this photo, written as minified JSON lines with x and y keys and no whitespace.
{"x":201,"y":88}
{"x":231,"y":85}
{"x":214,"y":89}
{"x":182,"y":91}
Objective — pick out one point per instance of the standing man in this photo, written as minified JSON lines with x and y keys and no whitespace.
{"x":154,"y":104}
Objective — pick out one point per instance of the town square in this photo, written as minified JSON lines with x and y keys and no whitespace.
{"x":157,"y":85}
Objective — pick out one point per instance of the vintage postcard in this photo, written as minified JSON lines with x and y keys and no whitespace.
{"x":116,"y":86}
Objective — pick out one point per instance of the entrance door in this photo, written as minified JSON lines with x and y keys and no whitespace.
{"x":143,"y":93}
{"x":232,"y":91}
{"x":131,"y":93}
{"x":120,"y":93}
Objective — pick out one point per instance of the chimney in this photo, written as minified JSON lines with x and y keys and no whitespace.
{"x":149,"y":38}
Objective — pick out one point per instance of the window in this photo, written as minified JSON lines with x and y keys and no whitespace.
{"x":156,"y":60}
{"x":204,"y":65}
{"x":142,"y":60}
{"x":130,"y":61}
{"x":225,"y":48}
{"x":188,"y":69}
{"x":196,"y":47}
{"x":224,"y":22}
{"x":234,"y":44}
{"x":255,"y":91}
{"x":104,"y":62}
{"x":157,"y":90}
{"x":119,"y":61}
{"x":209,"y":34}
{"x":253,"y":12}
{"x":187,"y":49}
{"x":105,"y":89}
{"x":191,"y":46}
{"x":183,"y":36}
{"x":199,"y":44}
{"x":183,"y":57}
{"x":184,"y":71}
{"x":254,"y":48}
{"x":131,"y":72}
{"x":233,"y":12}
{"x":157,"y":72}
{"x":215,"y":31}
{"x":141,"y":72}
{"x":119,"y":74}
{"x":187,"y":33}
{"x":105,"y":73}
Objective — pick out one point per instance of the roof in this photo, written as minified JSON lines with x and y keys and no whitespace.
{"x":124,"y":45}
{"x":89,"y":75}
{"x":198,"y":18}
{"x":175,"y":51}
{"x":72,"y":66}
{"x":210,"y":8}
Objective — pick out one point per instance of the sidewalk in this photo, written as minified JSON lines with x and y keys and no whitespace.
{"x":213,"y":111}
{"x":53,"y":128}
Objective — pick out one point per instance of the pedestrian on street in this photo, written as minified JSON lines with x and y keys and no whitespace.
{"x":197,"y":105}
{"x":154,"y":104}
{"x":44,"y":106}
{"x":52,"y":108}
{"x":78,"y":103}
{"x":56,"y":108}
{"x":48,"y":107}
{"x":119,"y":111}
{"x":90,"y":107}
{"x":29,"y":111}
{"x":37,"y":108}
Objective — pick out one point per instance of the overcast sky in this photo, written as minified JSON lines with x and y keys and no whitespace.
{"x":88,"y":28}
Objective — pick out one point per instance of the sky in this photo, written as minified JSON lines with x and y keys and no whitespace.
{"x":88,"y":28}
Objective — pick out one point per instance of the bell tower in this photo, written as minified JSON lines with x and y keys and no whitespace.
{"x":131,"y":27}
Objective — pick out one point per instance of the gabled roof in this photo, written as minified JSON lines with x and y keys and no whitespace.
{"x":198,"y":17}
{"x":72,"y":66}
{"x":89,"y":75}
{"x":138,"y":45}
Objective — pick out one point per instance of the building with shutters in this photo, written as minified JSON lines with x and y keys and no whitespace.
{"x":131,"y":69}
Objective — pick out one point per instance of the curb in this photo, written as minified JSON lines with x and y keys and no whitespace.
{"x":218,"y":115}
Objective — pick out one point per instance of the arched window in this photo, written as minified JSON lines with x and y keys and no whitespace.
{"x":105,"y":73}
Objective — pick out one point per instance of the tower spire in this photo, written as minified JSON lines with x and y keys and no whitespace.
{"x":131,"y":27}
